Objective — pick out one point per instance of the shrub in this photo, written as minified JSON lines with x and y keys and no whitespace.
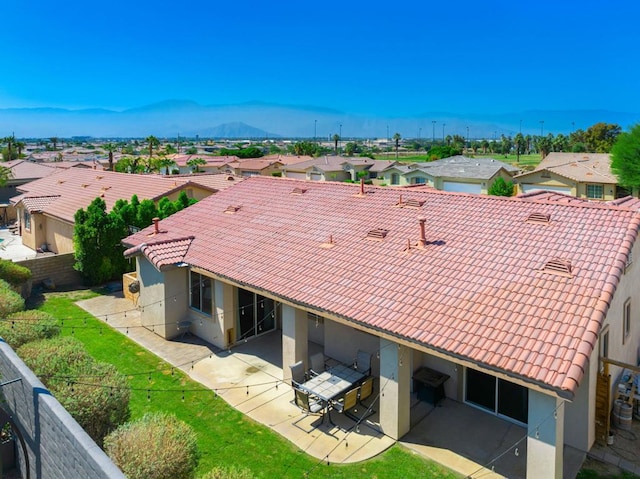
{"x":98,"y":398}
{"x":13,"y":273}
{"x":10,"y":301}
{"x":95,"y":394}
{"x":58,"y":356}
{"x":501,"y":187}
{"x":26,"y":326}
{"x":228,"y":473}
{"x":156,"y":446}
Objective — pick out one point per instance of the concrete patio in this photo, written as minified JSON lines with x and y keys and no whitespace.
{"x":249,"y":378}
{"x":11,"y":246}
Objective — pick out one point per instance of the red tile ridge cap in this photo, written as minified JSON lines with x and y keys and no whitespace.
{"x":139,"y":249}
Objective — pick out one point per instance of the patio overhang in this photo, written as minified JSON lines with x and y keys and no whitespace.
{"x":462,"y":361}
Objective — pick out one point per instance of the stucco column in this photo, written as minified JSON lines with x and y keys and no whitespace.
{"x":395,"y":377}
{"x":545,"y":436}
{"x":225,"y":311}
{"x":294,"y":339}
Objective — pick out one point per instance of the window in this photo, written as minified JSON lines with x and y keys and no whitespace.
{"x":545,"y":174}
{"x":395,"y":179}
{"x":419,"y":180}
{"x":201,"y":297}
{"x":626,"y":321}
{"x":595,"y":192}
{"x":27,"y":220}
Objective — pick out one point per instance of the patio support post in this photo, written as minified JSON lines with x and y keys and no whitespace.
{"x":545,"y":436}
{"x":395,"y":376}
{"x":294,"y":339}
{"x":224,"y":301}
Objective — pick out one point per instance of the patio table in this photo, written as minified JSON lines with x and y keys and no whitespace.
{"x":331,"y":383}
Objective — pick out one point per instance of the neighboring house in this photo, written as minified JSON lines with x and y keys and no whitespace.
{"x":504,"y":295}
{"x":255,"y":166}
{"x":214,"y":164}
{"x":331,"y":168}
{"x":456,"y":173}
{"x":46,"y":207}
{"x":583,"y":175}
{"x":22,"y":172}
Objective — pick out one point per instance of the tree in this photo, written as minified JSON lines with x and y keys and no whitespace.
{"x":96,"y":239}
{"x":336,"y":139}
{"x":195,"y":163}
{"x":54,"y":140}
{"x":165,"y":163}
{"x":396,"y":140}
{"x":625,"y":158}
{"x":543,"y":143}
{"x":152,"y":141}
{"x":20,"y":146}
{"x":5,"y":175}
{"x":304,"y":148}
{"x":110,"y":148}
{"x":485,"y":146}
{"x":9,"y":153}
{"x":520,"y":144}
{"x":350,"y":148}
{"x":501,"y":188}
{"x":505,"y":145}
{"x":169,"y":149}
{"x":600,"y":137}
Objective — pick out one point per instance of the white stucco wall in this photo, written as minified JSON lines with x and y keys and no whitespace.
{"x":342,"y":343}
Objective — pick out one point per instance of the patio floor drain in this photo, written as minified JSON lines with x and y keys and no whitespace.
{"x":252,"y":369}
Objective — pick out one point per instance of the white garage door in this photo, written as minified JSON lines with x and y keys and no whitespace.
{"x":315,"y":177}
{"x":557,"y":189}
{"x":296,"y":175}
{"x":461,"y":187}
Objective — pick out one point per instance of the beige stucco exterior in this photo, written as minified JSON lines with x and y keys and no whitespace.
{"x":544,"y":179}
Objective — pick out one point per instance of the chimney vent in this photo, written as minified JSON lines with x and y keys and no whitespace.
{"x":423,"y":238}
{"x":156,"y":225}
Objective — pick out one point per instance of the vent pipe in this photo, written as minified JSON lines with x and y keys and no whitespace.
{"x":423,"y":239}
{"x":362,"y":186}
{"x":156,"y":225}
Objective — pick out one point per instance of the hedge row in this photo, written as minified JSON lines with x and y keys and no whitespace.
{"x":13,"y":273}
{"x":95,"y":394}
{"x":10,"y":301}
{"x":25,"y":326}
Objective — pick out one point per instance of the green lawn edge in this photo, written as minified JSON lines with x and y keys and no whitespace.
{"x":225,"y":436}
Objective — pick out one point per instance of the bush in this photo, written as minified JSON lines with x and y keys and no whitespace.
{"x":98,"y":398}
{"x":26,"y":326}
{"x":13,"y":273}
{"x":59,"y":356}
{"x":10,"y":301}
{"x":95,"y":394}
{"x":156,"y":446}
{"x":230,"y":473}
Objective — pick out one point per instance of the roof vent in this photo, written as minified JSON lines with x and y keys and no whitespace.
{"x":539,"y":218}
{"x":413,"y":203}
{"x":231,"y":209}
{"x":230,"y":178}
{"x":328,"y":244}
{"x":99,"y":177}
{"x":84,"y":185}
{"x":558,"y":266}
{"x":298,"y":191}
{"x":60,"y":182}
{"x":377,"y":234}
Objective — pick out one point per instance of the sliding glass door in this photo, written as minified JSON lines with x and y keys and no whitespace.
{"x":498,"y":396}
{"x":256,"y":314}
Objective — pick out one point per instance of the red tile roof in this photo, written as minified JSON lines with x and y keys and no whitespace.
{"x":477,"y":291}
{"x":78,"y":187}
{"x":163,"y":254}
{"x":39,"y":203}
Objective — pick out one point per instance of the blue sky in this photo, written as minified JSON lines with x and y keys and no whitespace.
{"x":384,"y":58}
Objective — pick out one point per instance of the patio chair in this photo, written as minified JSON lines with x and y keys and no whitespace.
{"x":366,"y":390}
{"x":297,"y":373}
{"x":317,"y":364}
{"x":347,"y":402}
{"x":363,"y":362}
{"x":308,"y":405}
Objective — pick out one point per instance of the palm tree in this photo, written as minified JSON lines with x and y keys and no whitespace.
{"x":5,"y":175}
{"x":20,"y":145}
{"x":110,"y":148}
{"x":54,"y":140}
{"x":194,"y":164}
{"x":396,"y":139}
{"x":151,"y":141}
{"x":10,"y":141}
{"x":165,"y":163}
{"x":520,"y":143}
{"x":336,"y":139}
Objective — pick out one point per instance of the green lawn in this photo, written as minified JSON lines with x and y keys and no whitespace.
{"x":225,"y":436}
{"x":527,"y":162}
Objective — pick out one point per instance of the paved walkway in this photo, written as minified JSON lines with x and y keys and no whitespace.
{"x":11,"y":247}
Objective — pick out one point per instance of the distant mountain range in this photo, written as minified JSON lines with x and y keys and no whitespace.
{"x":172,"y":118}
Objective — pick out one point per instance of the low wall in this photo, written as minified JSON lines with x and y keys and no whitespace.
{"x":57,"y":447}
{"x":57,"y":267}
